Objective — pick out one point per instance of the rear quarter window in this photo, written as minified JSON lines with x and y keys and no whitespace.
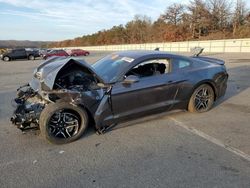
{"x":199,"y":63}
{"x":180,"y":64}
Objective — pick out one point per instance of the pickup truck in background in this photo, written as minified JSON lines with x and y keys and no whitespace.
{"x":20,"y":54}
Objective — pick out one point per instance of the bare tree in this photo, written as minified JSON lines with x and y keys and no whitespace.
{"x":200,"y":18}
{"x":220,"y":13}
{"x":239,"y":15}
{"x":138,"y":30}
{"x":173,"y":14}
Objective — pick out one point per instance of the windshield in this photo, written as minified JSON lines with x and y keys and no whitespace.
{"x":110,"y":67}
{"x":52,"y":52}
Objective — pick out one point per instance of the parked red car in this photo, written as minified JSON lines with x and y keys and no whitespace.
{"x":56,"y":53}
{"x":78,"y":52}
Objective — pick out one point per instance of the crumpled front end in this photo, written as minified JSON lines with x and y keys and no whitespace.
{"x":67,"y":80}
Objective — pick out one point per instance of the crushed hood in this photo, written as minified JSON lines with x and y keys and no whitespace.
{"x":46,"y":73}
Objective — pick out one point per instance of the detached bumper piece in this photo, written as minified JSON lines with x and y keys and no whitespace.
{"x":28,"y":108}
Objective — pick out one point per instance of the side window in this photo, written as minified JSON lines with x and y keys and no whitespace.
{"x":150,"y":68}
{"x":178,"y":64}
{"x":22,"y":51}
{"x":19,"y":52}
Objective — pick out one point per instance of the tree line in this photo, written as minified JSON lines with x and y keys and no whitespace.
{"x":199,"y":20}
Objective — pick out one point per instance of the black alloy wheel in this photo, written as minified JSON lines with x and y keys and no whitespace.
{"x":202,"y":99}
{"x":62,"y":122}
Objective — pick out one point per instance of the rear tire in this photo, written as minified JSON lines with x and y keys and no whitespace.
{"x":62,"y":123}
{"x":202,"y":99}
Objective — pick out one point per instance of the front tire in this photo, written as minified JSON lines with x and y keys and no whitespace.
{"x":31,"y":57}
{"x":62,"y":123}
{"x":6,"y":58}
{"x":202,"y":99}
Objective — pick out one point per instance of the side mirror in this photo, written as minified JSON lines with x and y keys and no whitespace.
{"x":131,"y":79}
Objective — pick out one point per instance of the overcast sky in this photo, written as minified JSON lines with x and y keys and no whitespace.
{"x":67,"y":19}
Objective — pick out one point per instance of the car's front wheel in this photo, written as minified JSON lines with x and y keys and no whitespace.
{"x":6,"y":58}
{"x":31,"y":57}
{"x":202,"y":99}
{"x":61,"y":122}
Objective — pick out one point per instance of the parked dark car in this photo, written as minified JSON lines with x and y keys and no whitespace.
{"x":58,"y":53}
{"x":78,"y":52}
{"x":66,"y":95}
{"x":20,"y":54}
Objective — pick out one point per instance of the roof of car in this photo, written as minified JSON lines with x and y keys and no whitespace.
{"x":140,"y":53}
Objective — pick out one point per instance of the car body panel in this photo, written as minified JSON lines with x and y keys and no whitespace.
{"x":147,"y":94}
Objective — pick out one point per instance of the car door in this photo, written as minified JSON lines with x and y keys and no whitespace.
{"x":19,"y":54}
{"x":15,"y":54}
{"x":149,"y":94}
{"x":23,"y":54}
{"x":62,"y":53}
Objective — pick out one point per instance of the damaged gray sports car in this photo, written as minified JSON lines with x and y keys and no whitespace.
{"x":66,"y":95}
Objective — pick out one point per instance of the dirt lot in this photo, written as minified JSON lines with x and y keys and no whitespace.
{"x":179,"y":149}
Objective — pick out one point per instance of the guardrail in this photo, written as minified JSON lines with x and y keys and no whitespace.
{"x":229,"y":45}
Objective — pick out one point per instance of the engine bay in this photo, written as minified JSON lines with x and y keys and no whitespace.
{"x":74,"y":77}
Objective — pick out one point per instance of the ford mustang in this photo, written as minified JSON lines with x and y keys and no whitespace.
{"x":66,"y":95}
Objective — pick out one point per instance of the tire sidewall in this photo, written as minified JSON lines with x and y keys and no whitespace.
{"x":49,"y":111}
{"x":31,"y":57}
{"x":191,"y":104}
{"x":4,"y":58}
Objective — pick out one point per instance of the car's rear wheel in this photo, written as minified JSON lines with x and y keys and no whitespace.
{"x":202,"y":99}
{"x":61,"y":122}
{"x":87,"y":53}
{"x":31,"y":57}
{"x":6,"y":58}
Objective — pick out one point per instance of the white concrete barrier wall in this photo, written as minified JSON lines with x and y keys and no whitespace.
{"x":229,"y":45}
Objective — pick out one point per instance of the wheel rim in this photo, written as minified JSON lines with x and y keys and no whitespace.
{"x":6,"y":59}
{"x":203,"y":98}
{"x":64,"y":124}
